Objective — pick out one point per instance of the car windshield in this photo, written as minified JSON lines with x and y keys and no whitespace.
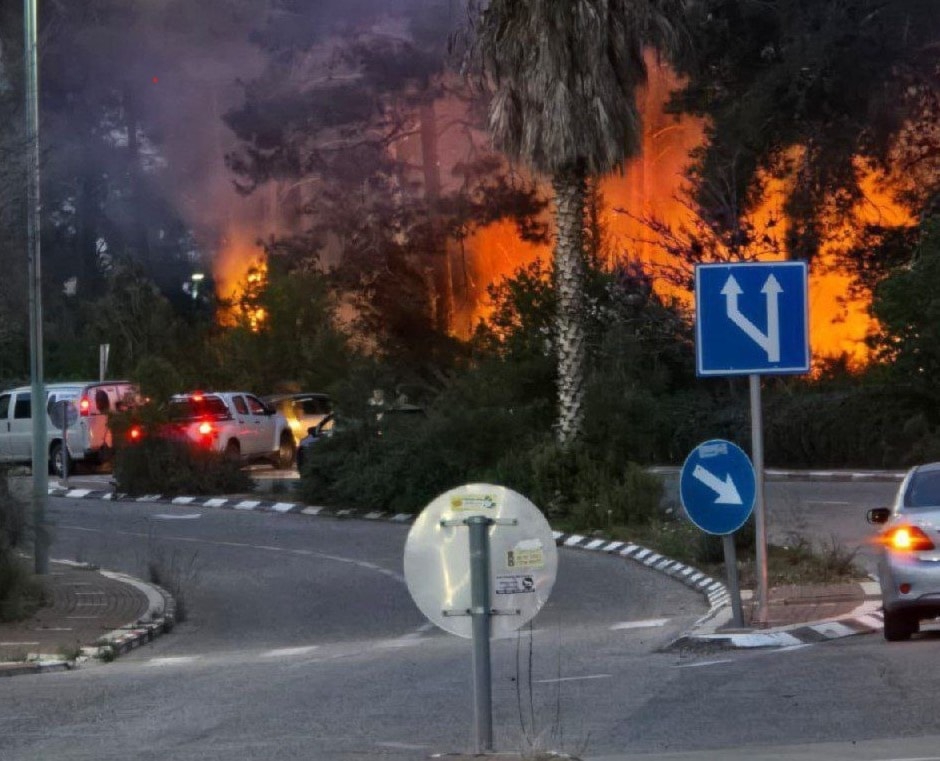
{"x":923,"y":490}
{"x":201,"y":408}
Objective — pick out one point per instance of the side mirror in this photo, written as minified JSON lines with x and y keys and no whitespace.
{"x":314,"y":431}
{"x":879,"y":515}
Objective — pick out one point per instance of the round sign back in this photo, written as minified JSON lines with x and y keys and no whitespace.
{"x":523,"y":559}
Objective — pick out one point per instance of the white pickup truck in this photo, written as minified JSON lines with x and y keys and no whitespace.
{"x":235,"y":423}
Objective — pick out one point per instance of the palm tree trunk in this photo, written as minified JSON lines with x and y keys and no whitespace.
{"x":569,"y":285}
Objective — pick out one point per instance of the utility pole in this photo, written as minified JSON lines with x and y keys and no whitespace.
{"x":38,"y":391}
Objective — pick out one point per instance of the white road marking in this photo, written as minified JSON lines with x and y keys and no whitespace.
{"x":172,"y":660}
{"x":285,"y":652}
{"x":183,"y":500}
{"x":400,"y":746}
{"x":827,"y":502}
{"x":168,"y":517}
{"x":703,"y":663}
{"x":215,"y":502}
{"x":17,"y":644}
{"x":573,"y":678}
{"x":283,"y":507}
{"x":248,"y":504}
{"x":648,"y":624}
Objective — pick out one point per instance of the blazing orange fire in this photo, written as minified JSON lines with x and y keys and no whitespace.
{"x":240,"y":269}
{"x":651,"y":186}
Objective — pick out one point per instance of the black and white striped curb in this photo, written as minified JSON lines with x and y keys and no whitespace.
{"x":865,"y":620}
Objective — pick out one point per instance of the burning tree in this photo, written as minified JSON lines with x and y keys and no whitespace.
{"x":370,"y":153}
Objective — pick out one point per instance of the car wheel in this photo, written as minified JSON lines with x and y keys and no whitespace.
{"x":233,"y":452}
{"x":899,"y":626}
{"x":57,"y":455}
{"x":286,"y":451}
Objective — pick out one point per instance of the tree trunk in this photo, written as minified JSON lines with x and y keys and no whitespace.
{"x":569,"y":285}
{"x":440,"y":253}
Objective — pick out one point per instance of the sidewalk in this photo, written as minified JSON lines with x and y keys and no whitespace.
{"x":91,"y":613}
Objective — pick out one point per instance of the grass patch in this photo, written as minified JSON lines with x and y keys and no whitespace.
{"x":799,"y":561}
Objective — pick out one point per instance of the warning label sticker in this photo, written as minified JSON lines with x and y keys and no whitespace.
{"x":473,"y":502}
{"x":526,"y":554}
{"x":514,"y":585}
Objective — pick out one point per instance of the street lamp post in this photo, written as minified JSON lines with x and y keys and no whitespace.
{"x":38,"y":393}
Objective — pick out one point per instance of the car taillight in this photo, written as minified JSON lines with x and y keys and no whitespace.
{"x":84,"y":406}
{"x":206,"y":429}
{"x":135,"y":433}
{"x":907,"y":539}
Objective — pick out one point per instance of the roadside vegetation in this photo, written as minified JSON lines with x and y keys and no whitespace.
{"x":21,"y":593}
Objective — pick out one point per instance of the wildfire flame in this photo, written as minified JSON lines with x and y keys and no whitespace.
{"x":240,"y":270}
{"x":649,"y":187}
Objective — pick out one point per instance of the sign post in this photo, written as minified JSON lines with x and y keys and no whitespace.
{"x":752,"y":319}
{"x":509,"y":557}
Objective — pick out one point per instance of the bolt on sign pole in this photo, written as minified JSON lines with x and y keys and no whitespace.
{"x":760,"y":522}
{"x":37,"y":396}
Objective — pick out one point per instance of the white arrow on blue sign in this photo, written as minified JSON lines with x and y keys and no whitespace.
{"x":751,"y":318}
{"x":717,"y":486}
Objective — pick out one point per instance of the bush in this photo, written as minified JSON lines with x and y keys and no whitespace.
{"x":20,"y":592}
{"x":165,"y":466}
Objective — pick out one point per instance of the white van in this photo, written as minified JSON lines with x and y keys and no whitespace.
{"x":83,"y":405}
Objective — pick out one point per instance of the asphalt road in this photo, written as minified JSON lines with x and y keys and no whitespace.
{"x":302,"y":643}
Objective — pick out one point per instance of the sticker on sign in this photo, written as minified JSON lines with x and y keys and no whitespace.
{"x":514,"y":585}
{"x":526,"y":554}
{"x":473,"y":502}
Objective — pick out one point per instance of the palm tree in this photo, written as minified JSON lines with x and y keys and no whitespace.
{"x":563,"y":75}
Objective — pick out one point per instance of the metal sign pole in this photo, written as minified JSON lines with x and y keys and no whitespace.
{"x":734,"y":588}
{"x":760,"y":524}
{"x":479,"y":526}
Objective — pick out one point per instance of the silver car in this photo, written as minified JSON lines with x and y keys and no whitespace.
{"x":909,"y":562}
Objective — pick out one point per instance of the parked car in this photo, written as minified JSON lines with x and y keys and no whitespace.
{"x":303,"y":412}
{"x":234,"y":423}
{"x":81,"y":407}
{"x":909,"y":559}
{"x":315,"y":434}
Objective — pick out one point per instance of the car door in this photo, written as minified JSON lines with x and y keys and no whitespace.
{"x":5,"y":409}
{"x":21,"y":427}
{"x":247,"y":435}
{"x":264,"y":425}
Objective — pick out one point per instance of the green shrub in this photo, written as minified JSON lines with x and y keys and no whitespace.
{"x":164,"y":466}
{"x":21,"y":593}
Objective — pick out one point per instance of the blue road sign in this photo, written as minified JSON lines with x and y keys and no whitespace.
{"x":751,"y":318}
{"x":717,"y":486}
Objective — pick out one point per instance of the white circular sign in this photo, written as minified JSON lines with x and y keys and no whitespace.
{"x":523,"y":559}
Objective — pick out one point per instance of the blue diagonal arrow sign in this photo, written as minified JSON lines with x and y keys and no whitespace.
{"x":751,"y":318}
{"x":717,"y":486}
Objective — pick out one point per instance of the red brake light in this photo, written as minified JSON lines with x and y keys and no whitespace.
{"x":205,"y":428}
{"x":197,"y":397}
{"x":84,"y":406}
{"x":907,"y":539}
{"x":135,"y":433}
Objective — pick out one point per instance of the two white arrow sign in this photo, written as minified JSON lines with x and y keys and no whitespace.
{"x":769,"y":342}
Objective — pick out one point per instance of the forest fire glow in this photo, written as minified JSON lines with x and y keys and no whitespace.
{"x":240,"y":271}
{"x":651,"y":188}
